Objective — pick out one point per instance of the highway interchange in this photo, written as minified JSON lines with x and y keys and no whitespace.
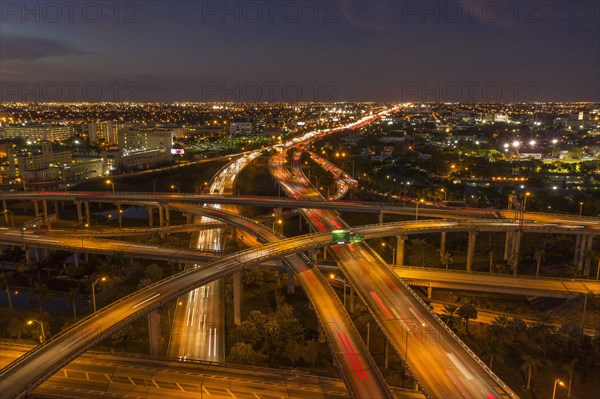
{"x":457,"y":371}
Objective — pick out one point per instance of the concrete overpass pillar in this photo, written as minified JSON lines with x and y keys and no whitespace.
{"x":429,"y":291}
{"x":76,"y":259}
{"x":291,"y":283}
{"x":351,"y":299}
{"x":400,"y":241}
{"x":161,"y":221}
{"x":5,"y":209}
{"x":380,"y":217}
{"x":150,"y":215}
{"x":586,"y":258}
{"x":507,"y":245}
{"x":471,"y":249}
{"x":443,"y":244}
{"x":234,"y":234}
{"x":237,"y":298}
{"x":154,"y":333}
{"x":36,"y":208}
{"x":167,"y":215}
{"x":189,"y":218}
{"x":582,"y":248}
{"x":87,"y":212}
{"x":79,"y":214}
{"x":577,"y":249}
{"x":56,"y":209}
{"x":516,"y":249}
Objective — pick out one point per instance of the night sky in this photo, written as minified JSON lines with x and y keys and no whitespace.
{"x":300,"y":50}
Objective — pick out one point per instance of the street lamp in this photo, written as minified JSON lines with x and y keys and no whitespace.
{"x":332,"y":276}
{"x":120,"y":218}
{"x":559,"y":382}
{"x":580,"y":209}
{"x":554,"y":141}
{"x":383,"y":244}
{"x":43,"y":336}
{"x":96,"y":281}
{"x":417,"y":210}
{"x":154,"y":185}
{"x":6,"y":212}
{"x":112,"y":185}
{"x":445,"y":194}
{"x":174,"y":187}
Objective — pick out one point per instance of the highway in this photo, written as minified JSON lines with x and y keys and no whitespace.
{"x":443,"y":365}
{"x":102,"y":375}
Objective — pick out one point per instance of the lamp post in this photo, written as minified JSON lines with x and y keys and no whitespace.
{"x":417,"y":210}
{"x":112,"y":185}
{"x":103,"y":279}
{"x":556,"y":382}
{"x":7,"y":212}
{"x":174,"y":187}
{"x":332,"y":276}
{"x":445,"y":194}
{"x":580,"y":209}
{"x":393,"y":262}
{"x":43,"y":336}
{"x":554,"y":141}
{"x":527,"y":194}
{"x":120,"y":218}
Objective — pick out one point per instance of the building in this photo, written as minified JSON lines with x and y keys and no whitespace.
{"x":136,"y":160}
{"x":39,"y":132}
{"x":104,"y":131}
{"x":240,"y":128}
{"x":46,"y":159}
{"x":136,"y":139}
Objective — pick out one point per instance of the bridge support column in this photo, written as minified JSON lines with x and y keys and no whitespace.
{"x":429,"y":292}
{"x":161,"y":220}
{"x":56,"y":209}
{"x":588,"y":261}
{"x":380,"y":217}
{"x":45,"y":210}
{"x":291,"y":283}
{"x":400,"y":241}
{"x":516,"y":249}
{"x":5,"y":209}
{"x":154,"y":333}
{"x":150,"y":216}
{"x":582,"y":249}
{"x":87,"y":212}
{"x":36,"y":208}
{"x":79,"y":214}
{"x":577,"y":248}
{"x":189,"y":218}
{"x":237,"y":298}
{"x":234,"y":235}
{"x":167,"y":215}
{"x":443,"y":244}
{"x":471,"y":249}
{"x":76,"y":259}
{"x":507,"y":244}
{"x":351,"y":299}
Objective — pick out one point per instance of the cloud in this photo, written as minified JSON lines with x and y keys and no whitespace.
{"x":29,"y":48}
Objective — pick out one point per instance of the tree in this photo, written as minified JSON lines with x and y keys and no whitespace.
{"x":293,"y":351}
{"x":539,"y":256}
{"x":542,"y":329}
{"x":570,"y":368}
{"x":153,"y":273}
{"x":17,"y":328}
{"x":501,"y":328}
{"x":73,"y":297}
{"x":311,"y":352}
{"x":467,"y":311}
{"x":253,"y":277}
{"x":518,"y":326}
{"x":493,"y":349}
{"x":421,"y":253}
{"x":41,"y":293}
{"x":446,"y":259}
{"x":530,"y":366}
{"x":252,"y":330}
{"x":243,"y":353}
{"x":6,"y":279}
{"x":126,"y":335}
{"x":449,"y":315}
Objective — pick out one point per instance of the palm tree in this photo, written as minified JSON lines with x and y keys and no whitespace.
{"x":530,"y":366}
{"x":6,"y":279}
{"x":467,"y":311}
{"x":570,"y":368}
{"x":73,"y":297}
{"x":518,"y":326}
{"x":41,"y":293}
{"x":542,"y":330}
{"x":446,"y":259}
{"x":501,"y":327}
{"x":449,"y":315}
{"x":494,"y":349}
{"x":539,"y":256}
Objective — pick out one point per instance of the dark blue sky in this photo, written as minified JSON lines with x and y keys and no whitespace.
{"x":300,"y":50}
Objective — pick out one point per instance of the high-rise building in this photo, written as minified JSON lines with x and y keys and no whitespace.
{"x":39,"y":132}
